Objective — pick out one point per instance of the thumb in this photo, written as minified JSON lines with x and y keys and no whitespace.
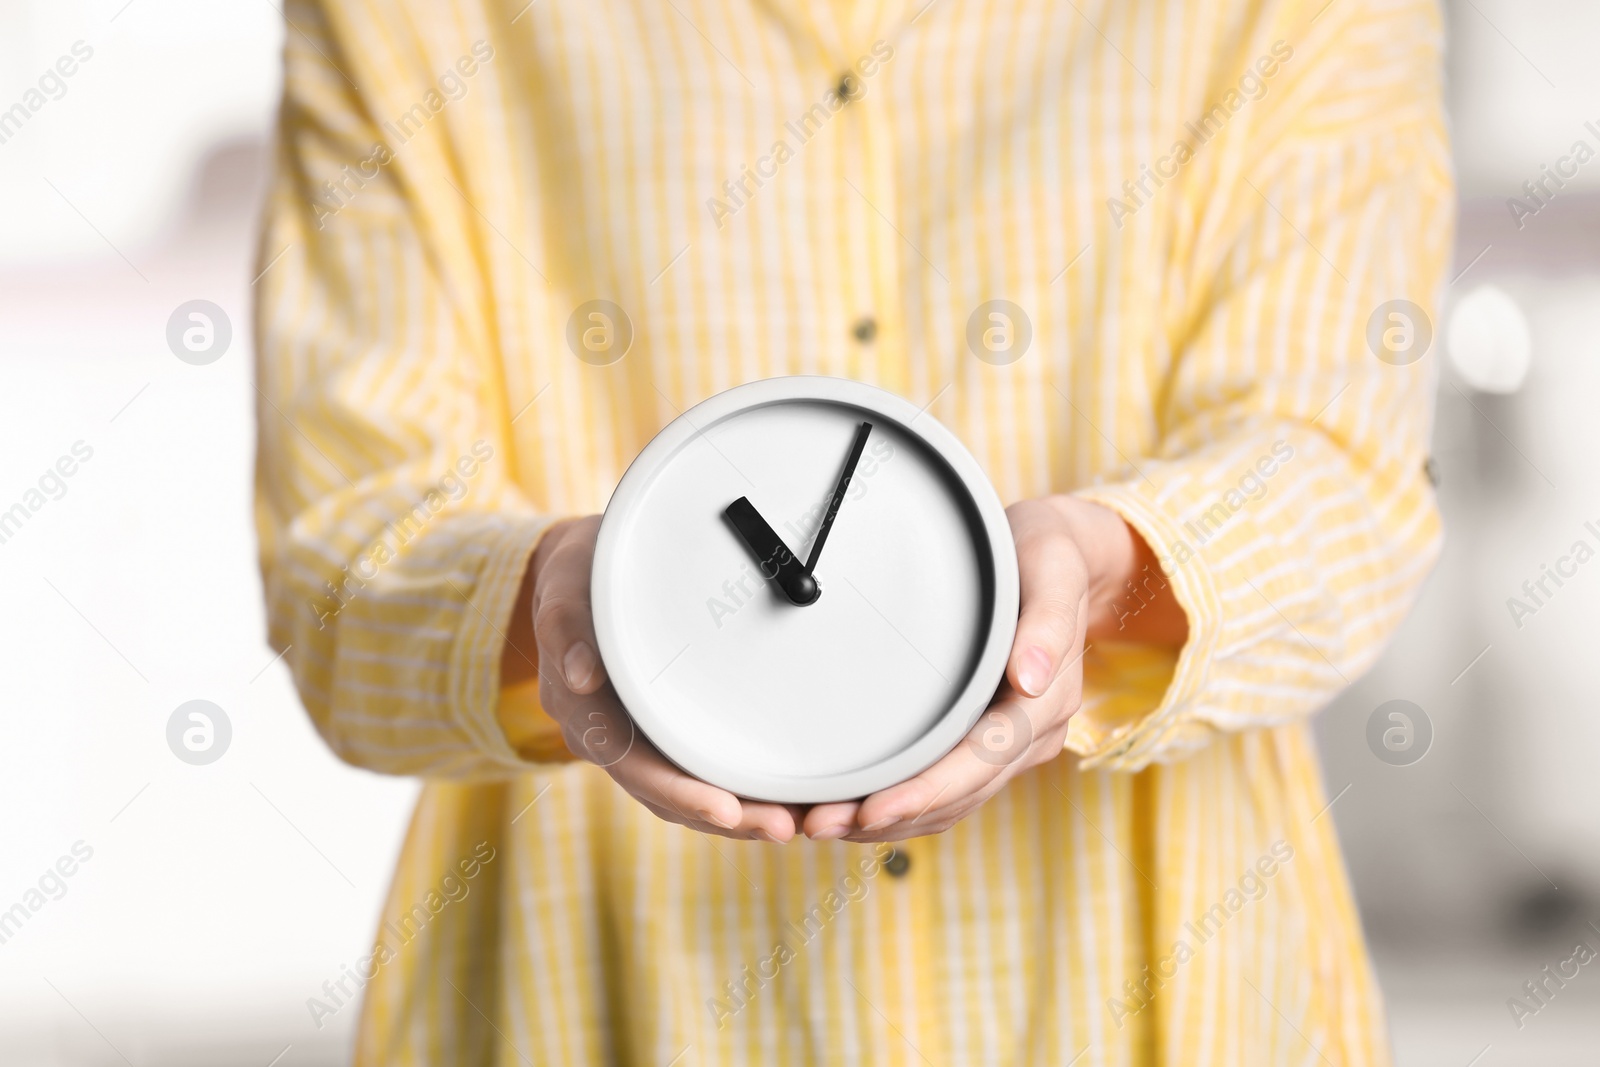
{"x":1054,"y":607}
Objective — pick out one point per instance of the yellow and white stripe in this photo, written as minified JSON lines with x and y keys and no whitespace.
{"x":455,"y":177}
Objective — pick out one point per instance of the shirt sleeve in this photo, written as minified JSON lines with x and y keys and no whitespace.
{"x":393,"y":535}
{"x":1286,"y":493}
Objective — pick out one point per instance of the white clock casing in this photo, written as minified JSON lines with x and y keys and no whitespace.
{"x":891,"y":666}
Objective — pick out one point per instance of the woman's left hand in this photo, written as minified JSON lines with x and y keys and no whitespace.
{"x":1076,"y":560}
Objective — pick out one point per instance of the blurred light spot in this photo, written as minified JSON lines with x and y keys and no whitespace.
{"x":1489,"y":341}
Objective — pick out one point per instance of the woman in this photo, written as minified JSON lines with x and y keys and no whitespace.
{"x":1191,"y":211}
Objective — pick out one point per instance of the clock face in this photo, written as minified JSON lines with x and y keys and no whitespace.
{"x":784,"y":671}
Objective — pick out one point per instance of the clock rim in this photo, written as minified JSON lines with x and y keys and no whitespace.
{"x":982,"y":680}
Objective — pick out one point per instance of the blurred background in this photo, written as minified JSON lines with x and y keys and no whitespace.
{"x":204,"y":905}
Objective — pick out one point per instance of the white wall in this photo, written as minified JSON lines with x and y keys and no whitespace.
{"x":166,"y":80}
{"x":203,"y":908}
{"x":1523,"y":83}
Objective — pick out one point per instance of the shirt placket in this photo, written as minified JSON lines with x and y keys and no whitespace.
{"x":866,"y":342}
{"x":870,"y":219}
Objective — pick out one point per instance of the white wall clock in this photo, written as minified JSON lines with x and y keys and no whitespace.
{"x":805,"y":590}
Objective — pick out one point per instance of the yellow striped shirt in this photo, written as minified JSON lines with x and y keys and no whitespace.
{"x":1196,"y":204}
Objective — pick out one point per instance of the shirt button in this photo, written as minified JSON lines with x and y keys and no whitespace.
{"x":897,"y":864}
{"x":849,"y":87}
{"x":865,"y":329}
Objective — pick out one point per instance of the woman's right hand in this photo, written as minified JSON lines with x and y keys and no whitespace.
{"x":575,"y":692}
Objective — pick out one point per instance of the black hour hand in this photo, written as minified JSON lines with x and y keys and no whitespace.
{"x":772,"y":555}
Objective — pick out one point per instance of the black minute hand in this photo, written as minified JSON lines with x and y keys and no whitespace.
{"x":772,"y":555}
{"x":837,"y":498}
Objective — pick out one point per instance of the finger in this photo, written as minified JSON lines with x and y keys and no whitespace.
{"x":948,"y":782}
{"x":697,"y":825}
{"x":563,"y":624}
{"x":595,"y":727}
{"x":648,"y":775}
{"x":758,"y":822}
{"x":826,"y":822}
{"x":1054,"y":601}
{"x":936,"y":820}
{"x":904,"y":831}
{"x":598,"y":730}
{"x":653,"y":780}
{"x":1013,"y":734}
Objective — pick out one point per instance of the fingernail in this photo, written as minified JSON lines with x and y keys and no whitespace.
{"x":705,"y":813}
{"x":578,"y":666}
{"x":881,"y":823}
{"x":828,"y":833}
{"x":1033,"y":673}
{"x":763,"y":835}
